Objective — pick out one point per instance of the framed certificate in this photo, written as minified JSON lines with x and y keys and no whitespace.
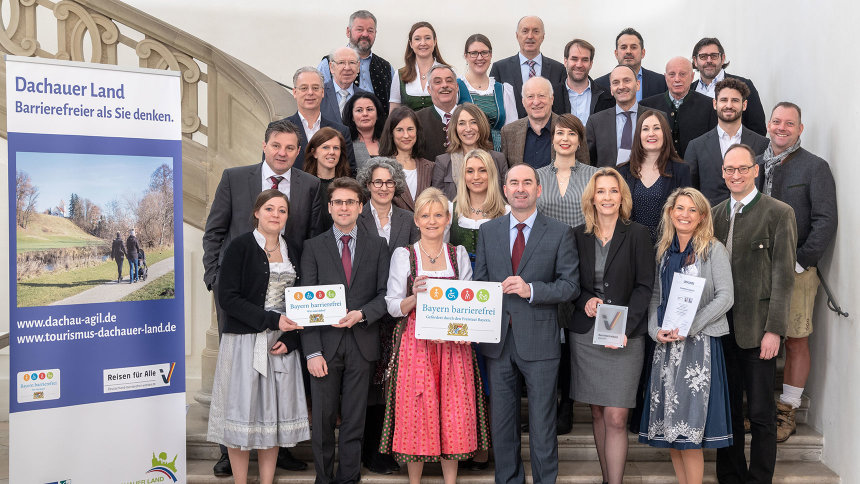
{"x":683,"y":303}
{"x":459,"y":311}
{"x":316,"y":305}
{"x":610,"y":325}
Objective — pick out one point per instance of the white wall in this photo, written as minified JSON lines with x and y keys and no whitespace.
{"x":793,"y":50}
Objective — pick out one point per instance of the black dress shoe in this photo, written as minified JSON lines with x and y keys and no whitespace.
{"x":473,"y":465}
{"x":222,"y":467}
{"x":524,"y":427}
{"x":377,"y":465}
{"x":389,"y":461}
{"x":290,"y":463}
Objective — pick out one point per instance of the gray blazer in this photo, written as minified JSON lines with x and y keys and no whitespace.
{"x":550,"y":264}
{"x":403,"y":229}
{"x":717,"y":297}
{"x":509,"y":70}
{"x":601,"y":137}
{"x":443,"y":176}
{"x":514,"y":139}
{"x":706,"y":162}
{"x":329,"y":106}
{"x":230,"y":215}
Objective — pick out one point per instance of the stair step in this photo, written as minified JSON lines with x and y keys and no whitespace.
{"x":200,"y":472}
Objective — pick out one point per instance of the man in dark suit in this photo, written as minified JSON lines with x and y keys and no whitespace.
{"x":629,"y":51}
{"x":803,"y":181}
{"x":442,"y":85}
{"x":529,"y":62}
{"x":760,"y":235}
{"x":610,"y":132}
{"x":705,"y":153}
{"x":709,"y":58}
{"x":230,"y":216}
{"x":340,"y":357}
{"x":535,"y":259}
{"x":344,"y":69}
{"x":690,"y":114}
{"x":309,"y":90}
{"x":529,"y":140}
{"x":579,"y":94}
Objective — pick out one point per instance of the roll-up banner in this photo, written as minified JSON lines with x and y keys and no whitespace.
{"x":97,"y":352}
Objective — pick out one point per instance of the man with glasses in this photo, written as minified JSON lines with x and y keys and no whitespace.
{"x":229,"y":217}
{"x":341,"y":86}
{"x":709,"y":58}
{"x":340,"y":357}
{"x":529,"y":140}
{"x":374,"y":72}
{"x":761,"y":237}
{"x":308,"y":89}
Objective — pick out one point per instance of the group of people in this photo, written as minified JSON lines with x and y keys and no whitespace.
{"x":571,"y":193}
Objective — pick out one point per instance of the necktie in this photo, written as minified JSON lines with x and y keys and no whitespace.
{"x":445,"y":120}
{"x":738,"y":207}
{"x":344,"y":96}
{"x":532,"y":71}
{"x":627,"y":131}
{"x":345,"y":258}
{"x":276,"y":180}
{"x":519,"y":247}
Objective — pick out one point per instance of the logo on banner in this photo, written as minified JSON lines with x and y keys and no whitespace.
{"x":38,"y":385}
{"x":64,"y":481}
{"x":160,"y":465}
{"x":138,"y":377}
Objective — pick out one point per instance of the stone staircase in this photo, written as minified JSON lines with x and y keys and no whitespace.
{"x":798,"y":459}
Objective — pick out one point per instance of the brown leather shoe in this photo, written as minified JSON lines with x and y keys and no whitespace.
{"x":785,"y":423}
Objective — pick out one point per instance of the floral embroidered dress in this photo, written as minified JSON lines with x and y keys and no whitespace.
{"x":431,"y":411}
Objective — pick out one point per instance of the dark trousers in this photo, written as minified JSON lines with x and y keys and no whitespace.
{"x":748,"y":373}
{"x":564,"y":366}
{"x":348,"y":380}
{"x":119,"y":267}
{"x":541,"y":378}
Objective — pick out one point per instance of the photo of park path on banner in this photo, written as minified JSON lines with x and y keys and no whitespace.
{"x":459,"y":311}
{"x":97,"y":350}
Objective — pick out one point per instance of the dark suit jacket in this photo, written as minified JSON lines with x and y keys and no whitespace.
{"x":329,"y":106}
{"x":425,"y":176}
{"x":628,"y":275}
{"x":324,"y":123}
{"x":230,"y":214}
{"x":509,"y":70}
{"x":754,"y":117}
{"x":805,"y":183}
{"x":680,"y":177}
{"x":443,"y":176}
{"x":696,"y":116}
{"x":403,"y":229}
{"x":763,"y":257}
{"x":321,"y":264}
{"x":653,"y":83}
{"x":550,"y":264}
{"x":601,"y":137}
{"x":435,"y":135}
{"x":706,"y":162}
{"x":600,"y":98}
{"x":514,"y":139}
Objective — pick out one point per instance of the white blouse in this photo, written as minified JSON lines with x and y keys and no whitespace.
{"x":412,"y":88}
{"x":398,"y":274}
{"x":508,"y":98}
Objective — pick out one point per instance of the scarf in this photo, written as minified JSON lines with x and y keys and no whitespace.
{"x":673,"y":261}
{"x":770,"y":162}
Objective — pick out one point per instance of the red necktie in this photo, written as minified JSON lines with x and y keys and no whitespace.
{"x":345,"y":258}
{"x":519,"y":247}
{"x":532,"y":71}
{"x":276,"y":180}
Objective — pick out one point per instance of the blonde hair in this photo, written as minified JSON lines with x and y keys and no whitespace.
{"x":429,"y":196}
{"x":704,"y":233}
{"x":494,"y":204}
{"x":590,"y":211}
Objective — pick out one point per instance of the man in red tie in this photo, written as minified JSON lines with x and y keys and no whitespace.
{"x":340,"y":357}
{"x":230,"y":216}
{"x":442,"y":85}
{"x":534,"y":258}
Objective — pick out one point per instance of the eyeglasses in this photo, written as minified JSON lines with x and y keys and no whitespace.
{"x":346,"y":63}
{"x":713,"y":56}
{"x":743,"y":170}
{"x":340,"y":203}
{"x":388,"y":183}
{"x":540,"y":97}
{"x":314,"y":88}
{"x":474,"y":54}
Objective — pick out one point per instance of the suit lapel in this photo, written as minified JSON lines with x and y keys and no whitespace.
{"x":331,"y":247}
{"x":535,"y":236}
{"x":361,"y":242}
{"x":255,"y":182}
{"x":617,"y":242}
{"x":503,"y":245}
